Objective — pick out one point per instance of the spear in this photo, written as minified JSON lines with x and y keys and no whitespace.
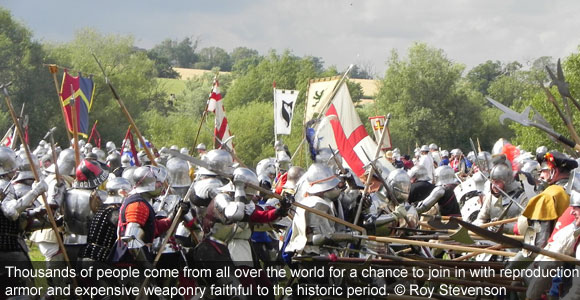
{"x":53,"y":70}
{"x":203,"y":115}
{"x":73,"y":112}
{"x":49,"y":212}
{"x":126,"y":112}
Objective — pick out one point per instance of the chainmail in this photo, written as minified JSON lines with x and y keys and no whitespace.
{"x":9,"y":234}
{"x":102,"y":233}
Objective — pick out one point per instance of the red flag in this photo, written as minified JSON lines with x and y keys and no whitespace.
{"x":216,"y":105}
{"x":95,"y":133}
{"x":129,"y":137}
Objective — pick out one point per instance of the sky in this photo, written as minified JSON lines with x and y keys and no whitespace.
{"x":341,"y":32}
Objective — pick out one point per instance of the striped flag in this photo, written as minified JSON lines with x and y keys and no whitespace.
{"x":221,"y":129}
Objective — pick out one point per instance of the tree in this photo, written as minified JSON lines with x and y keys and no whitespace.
{"x":131,"y":72}
{"x":178,"y":54}
{"x":213,"y":57}
{"x":427,"y":101}
{"x":481,"y":76}
{"x":31,"y":82}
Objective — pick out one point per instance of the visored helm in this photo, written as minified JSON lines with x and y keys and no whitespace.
{"x":110,"y":146}
{"x":218,"y":160}
{"x":484,"y":161}
{"x":114,"y":160}
{"x":113,"y":187}
{"x":498,"y":146}
{"x":267,"y":167}
{"x":320,"y":178}
{"x":89,"y":175}
{"x":532,"y":167}
{"x":247,"y":176}
{"x":399,"y":185}
{"x":66,"y":163}
{"x":146,"y":178}
{"x":503,"y":173}
{"x":419,"y":173}
{"x":8,"y":162}
{"x":444,"y":175}
{"x":178,"y":170}
{"x":24,"y":168}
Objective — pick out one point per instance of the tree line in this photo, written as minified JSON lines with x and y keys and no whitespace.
{"x":432,"y":98}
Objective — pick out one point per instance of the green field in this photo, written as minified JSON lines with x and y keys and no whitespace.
{"x":171,"y":85}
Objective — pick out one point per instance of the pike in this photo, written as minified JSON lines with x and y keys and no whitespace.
{"x":522,"y":118}
{"x":49,"y":212}
{"x":204,"y":115}
{"x":23,"y":124}
{"x":368,"y":182}
{"x":50,"y":134}
{"x":560,"y":82}
{"x":126,"y":112}
{"x":53,"y":69}
{"x":513,"y":243}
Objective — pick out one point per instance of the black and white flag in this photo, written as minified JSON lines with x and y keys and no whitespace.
{"x":284,"y":102}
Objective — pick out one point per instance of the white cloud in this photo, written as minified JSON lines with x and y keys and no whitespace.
{"x":339,"y":31}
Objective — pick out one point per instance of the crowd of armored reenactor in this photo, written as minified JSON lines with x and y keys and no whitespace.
{"x":115,"y":214}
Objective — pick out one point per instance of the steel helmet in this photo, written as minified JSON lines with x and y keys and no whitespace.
{"x":399,"y":185}
{"x":8,"y":162}
{"x":419,"y":172}
{"x":247,"y":176}
{"x":200,"y":146}
{"x":444,"y":153}
{"x":114,"y":160}
{"x":320,"y":178}
{"x":294,"y":174}
{"x":113,"y":187}
{"x":575,"y":198}
{"x":178,"y":170}
{"x":24,"y":168}
{"x":110,"y":146}
{"x":66,"y":163}
{"x":218,"y":160}
{"x":184,"y":150}
{"x":145,"y":178}
{"x":424,"y":148}
{"x":433,"y":147}
{"x":444,"y":175}
{"x":89,"y":175}
{"x":498,"y":146}
{"x":128,"y":174}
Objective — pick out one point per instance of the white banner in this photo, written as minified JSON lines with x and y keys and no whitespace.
{"x":378,"y":123}
{"x":319,"y":91}
{"x":284,"y":103}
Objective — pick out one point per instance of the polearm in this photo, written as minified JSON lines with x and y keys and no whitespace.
{"x":54,"y":158}
{"x":371,"y":171}
{"x":203,"y":116}
{"x":126,"y":112}
{"x":36,"y":177}
{"x":73,"y":112}
{"x":522,"y":118}
{"x":15,"y":139}
{"x":53,"y":70}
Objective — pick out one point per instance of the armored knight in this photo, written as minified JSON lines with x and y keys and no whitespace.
{"x":542,"y":211}
{"x":505,"y":197}
{"x":390,"y":205}
{"x":12,"y":246}
{"x":310,"y":231}
{"x":137,"y":223}
{"x":103,"y":226}
{"x":80,"y":203}
{"x":115,"y":164}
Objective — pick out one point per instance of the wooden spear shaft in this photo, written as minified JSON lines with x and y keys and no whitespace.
{"x":127,"y":114}
{"x":53,"y":70}
{"x":37,"y":178}
{"x":73,"y":112}
{"x":436,"y":245}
